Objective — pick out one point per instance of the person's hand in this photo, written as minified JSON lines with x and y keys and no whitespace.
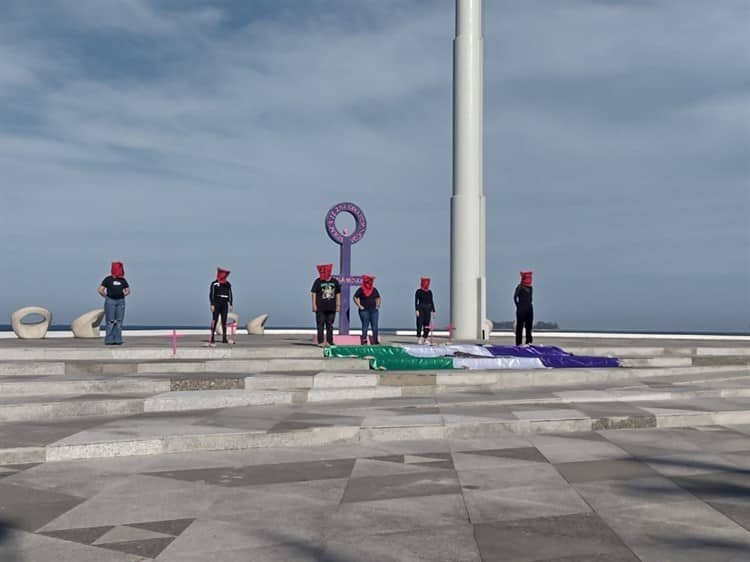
{"x":315,"y":309}
{"x":417,"y":313}
{"x":230,"y":307}
{"x":212,"y":307}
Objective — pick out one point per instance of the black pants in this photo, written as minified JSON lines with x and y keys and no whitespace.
{"x":220,"y":310}
{"x":423,"y":322}
{"x":524,"y":319}
{"x":325,"y":318}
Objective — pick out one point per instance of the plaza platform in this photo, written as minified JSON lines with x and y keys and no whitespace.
{"x":64,"y":399}
{"x":266,"y":451}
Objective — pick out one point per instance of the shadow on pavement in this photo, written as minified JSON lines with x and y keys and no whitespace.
{"x":8,"y":551}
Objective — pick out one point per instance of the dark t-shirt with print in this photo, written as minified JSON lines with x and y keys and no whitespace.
{"x":325,"y":294}
{"x":115,"y":287}
{"x":368,"y":303}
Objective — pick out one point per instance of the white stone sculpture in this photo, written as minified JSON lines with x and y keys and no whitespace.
{"x":33,"y":330}
{"x":487,"y":327}
{"x":257,"y":325}
{"x":232,"y":318}
{"x":87,"y":325}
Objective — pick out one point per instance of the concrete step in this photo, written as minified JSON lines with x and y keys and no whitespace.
{"x":49,"y":386}
{"x":32,"y":368}
{"x":657,"y":362}
{"x":411,"y":382}
{"x":40,"y":408}
{"x":134,"y":354}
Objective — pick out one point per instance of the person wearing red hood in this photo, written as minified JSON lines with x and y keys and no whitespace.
{"x":425,"y":308}
{"x":220,"y":297}
{"x":367,"y":299}
{"x":524,"y":308}
{"x":326,"y":302}
{"x":114,"y":288}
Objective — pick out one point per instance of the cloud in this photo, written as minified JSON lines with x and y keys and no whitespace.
{"x":178,"y":135}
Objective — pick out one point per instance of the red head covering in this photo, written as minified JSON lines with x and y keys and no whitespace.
{"x":117,"y":269}
{"x":222,"y":274}
{"x":526,"y":278}
{"x":367,"y":285}
{"x":424,"y":283}
{"x":324,"y":271}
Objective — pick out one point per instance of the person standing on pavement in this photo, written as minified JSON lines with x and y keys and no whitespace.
{"x":114,"y":288}
{"x":524,"y":308}
{"x":325,"y":295}
{"x":424,"y":306}
{"x":367,"y":299}
{"x":221,"y":299}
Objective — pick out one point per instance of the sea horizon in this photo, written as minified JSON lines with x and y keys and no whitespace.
{"x":391,"y":330}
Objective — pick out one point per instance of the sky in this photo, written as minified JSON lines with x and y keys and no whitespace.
{"x":178,"y":135}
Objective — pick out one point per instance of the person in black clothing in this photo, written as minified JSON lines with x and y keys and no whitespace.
{"x":220,"y":297}
{"x":425,"y":308}
{"x":524,"y":308}
{"x":326,"y":302}
{"x":114,"y":288}
{"x":367,"y":299}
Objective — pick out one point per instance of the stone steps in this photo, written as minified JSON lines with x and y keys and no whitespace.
{"x":61,"y":399}
{"x":83,"y":446}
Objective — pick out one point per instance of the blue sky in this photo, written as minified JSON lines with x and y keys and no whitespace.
{"x":177,"y":135}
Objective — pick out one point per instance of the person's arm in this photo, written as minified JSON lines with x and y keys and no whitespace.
{"x":314,"y":305}
{"x":377,"y":303}
{"x":211,"y":296}
{"x":432,"y":299}
{"x":231,"y":298}
{"x":338,"y":302}
{"x":515,"y":295}
{"x":102,"y":290}
{"x":126,"y":288}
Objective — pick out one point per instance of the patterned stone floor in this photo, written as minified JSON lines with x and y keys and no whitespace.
{"x":615,"y":496}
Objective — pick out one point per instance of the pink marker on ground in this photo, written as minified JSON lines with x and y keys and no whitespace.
{"x":174,"y":337}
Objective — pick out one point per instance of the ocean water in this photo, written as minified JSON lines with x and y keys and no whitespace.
{"x":66,"y":327}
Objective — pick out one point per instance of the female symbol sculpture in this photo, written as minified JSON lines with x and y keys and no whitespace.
{"x":345,"y":241}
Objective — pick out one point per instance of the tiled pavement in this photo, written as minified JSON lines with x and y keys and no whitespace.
{"x":614,"y":496}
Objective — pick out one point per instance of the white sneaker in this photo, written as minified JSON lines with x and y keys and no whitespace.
{"x":420,"y":341}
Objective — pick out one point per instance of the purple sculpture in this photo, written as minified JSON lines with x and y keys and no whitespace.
{"x":345,"y":240}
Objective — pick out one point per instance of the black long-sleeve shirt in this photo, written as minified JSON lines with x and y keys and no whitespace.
{"x":220,"y":293}
{"x":423,"y":299}
{"x":522,"y":297}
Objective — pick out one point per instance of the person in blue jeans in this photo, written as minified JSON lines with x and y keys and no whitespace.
{"x":114,"y":288}
{"x":367,"y":300}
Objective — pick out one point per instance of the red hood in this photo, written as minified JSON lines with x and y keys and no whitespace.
{"x":424,"y":283}
{"x":117,"y":269}
{"x":367,"y":284}
{"x":526,"y":278}
{"x":324,"y":271}
{"x":222,"y":274}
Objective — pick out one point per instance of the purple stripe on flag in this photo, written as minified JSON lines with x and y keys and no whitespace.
{"x":552,"y":356}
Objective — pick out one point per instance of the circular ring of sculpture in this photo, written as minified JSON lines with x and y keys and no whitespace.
{"x":87,"y":325}
{"x":359,"y":229}
{"x":34,"y":330}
